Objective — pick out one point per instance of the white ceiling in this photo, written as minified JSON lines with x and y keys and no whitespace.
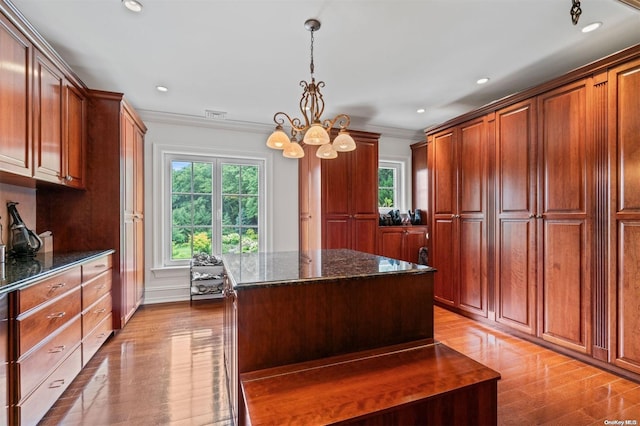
{"x":381,"y":60}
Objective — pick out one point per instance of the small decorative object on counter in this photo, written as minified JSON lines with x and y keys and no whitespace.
{"x":24,"y":242}
{"x":207,"y":276}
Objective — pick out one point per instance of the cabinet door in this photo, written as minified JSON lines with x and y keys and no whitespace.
{"x":74,"y":146}
{"x":624,"y":155}
{"x":471,"y":216}
{"x":15,"y":97}
{"x":515,"y":257}
{"x":564,"y":217}
{"x":336,"y":231}
{"x":138,"y":215}
{"x":444,"y":247}
{"x":414,"y":239}
{"x":363,"y":195}
{"x":390,"y":242}
{"x":128,"y":264}
{"x":48,"y":115}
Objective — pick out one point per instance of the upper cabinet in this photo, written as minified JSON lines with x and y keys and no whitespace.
{"x":15,"y":99}
{"x":43,"y":122}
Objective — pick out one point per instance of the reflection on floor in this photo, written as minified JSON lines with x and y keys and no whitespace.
{"x":166,"y":368}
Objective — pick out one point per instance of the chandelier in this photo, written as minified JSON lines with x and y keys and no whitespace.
{"x":314,"y":129}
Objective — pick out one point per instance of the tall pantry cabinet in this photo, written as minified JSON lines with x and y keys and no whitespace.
{"x":339,"y":197}
{"x":110,"y":212}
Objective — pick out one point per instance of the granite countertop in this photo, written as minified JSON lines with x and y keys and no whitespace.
{"x":19,"y":273}
{"x":284,"y":268}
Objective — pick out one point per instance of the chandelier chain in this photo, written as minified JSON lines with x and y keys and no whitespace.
{"x":311,"y":64}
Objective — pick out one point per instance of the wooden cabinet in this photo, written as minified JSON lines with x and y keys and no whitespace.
{"x":420,"y":178}
{"x":230,"y":335}
{"x":15,"y":94}
{"x":339,"y":197}
{"x":59,"y":125}
{"x":624,"y":215}
{"x":4,"y":360}
{"x":111,"y":208}
{"x":401,"y":242}
{"x":97,"y":324}
{"x":458,"y":160}
{"x":46,"y":331}
{"x":515,"y":252}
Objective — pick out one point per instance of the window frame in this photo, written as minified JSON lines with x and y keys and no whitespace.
{"x":216,"y":160}
{"x":399,"y":199}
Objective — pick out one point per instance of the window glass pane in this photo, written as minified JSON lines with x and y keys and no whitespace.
{"x":181,"y":210}
{"x":387,"y":187}
{"x":249,"y":206}
{"x":230,"y":179}
{"x":180,"y":243}
{"x":230,"y":240}
{"x":385,"y":197}
{"x":250,"y":240}
{"x":230,"y":210}
{"x":249,"y":180}
{"x":180,"y":176}
{"x":202,"y":180}
{"x":202,"y":210}
{"x":202,"y":240}
{"x":385,"y":177}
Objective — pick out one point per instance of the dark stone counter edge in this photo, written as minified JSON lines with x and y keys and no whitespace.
{"x":64,"y":261}
{"x":311,"y":280}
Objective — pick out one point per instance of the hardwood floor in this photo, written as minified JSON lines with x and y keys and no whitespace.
{"x":166,"y":368}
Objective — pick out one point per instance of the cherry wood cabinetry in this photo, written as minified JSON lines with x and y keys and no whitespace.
{"x":339,"y":197}
{"x":458,"y":159}
{"x":111,"y":209}
{"x":97,"y":324}
{"x":401,"y":242}
{"x":15,"y":93}
{"x":420,"y":178}
{"x":4,"y":360}
{"x":624,"y":242}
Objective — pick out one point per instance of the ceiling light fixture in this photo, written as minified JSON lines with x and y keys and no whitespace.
{"x":575,"y":12}
{"x":315,"y":129}
{"x":420,"y":110}
{"x":162,"y":89}
{"x":482,"y":80}
{"x":591,"y":27}
{"x":132,"y":5}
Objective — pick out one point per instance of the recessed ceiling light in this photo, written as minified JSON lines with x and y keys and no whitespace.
{"x":482,"y":80}
{"x":162,"y":88}
{"x":132,"y":5}
{"x":420,"y":110}
{"x":591,"y":27}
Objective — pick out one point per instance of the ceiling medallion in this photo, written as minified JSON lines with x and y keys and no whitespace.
{"x":312,"y":126}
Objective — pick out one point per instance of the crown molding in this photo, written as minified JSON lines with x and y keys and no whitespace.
{"x":632,"y":3}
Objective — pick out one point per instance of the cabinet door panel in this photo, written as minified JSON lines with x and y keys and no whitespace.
{"x":336,"y":233}
{"x":335,"y":185}
{"x":473,"y":288}
{"x":414,"y":240}
{"x":364,"y":234}
{"x":390,"y":243}
{"x":444,"y":173}
{"x":565,"y":292}
{"x":628,"y":129}
{"x":15,"y":97}
{"x":627,"y":344}
{"x":363,"y":177}
{"x":48,"y":130}
{"x":563,"y":124}
{"x":515,"y":282}
{"x":471,"y":155}
{"x":443,"y":258}
{"x":74,"y":154}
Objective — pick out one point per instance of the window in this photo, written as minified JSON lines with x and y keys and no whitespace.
{"x":215,"y":206}
{"x":390,"y":186}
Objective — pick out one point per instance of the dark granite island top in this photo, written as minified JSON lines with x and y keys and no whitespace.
{"x":20,"y":273}
{"x":251,"y":270}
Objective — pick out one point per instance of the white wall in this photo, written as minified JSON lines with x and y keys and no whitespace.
{"x":197,"y":135}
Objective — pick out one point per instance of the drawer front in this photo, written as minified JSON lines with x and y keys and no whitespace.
{"x":95,"y":313}
{"x":96,"y":288}
{"x":96,"y":267}
{"x":39,"y":363}
{"x":48,"y":289}
{"x":37,"y":325}
{"x":95,"y":339}
{"x":32,"y":409}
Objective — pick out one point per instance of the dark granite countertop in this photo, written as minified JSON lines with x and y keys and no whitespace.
{"x":285,"y":268}
{"x":19,"y":273}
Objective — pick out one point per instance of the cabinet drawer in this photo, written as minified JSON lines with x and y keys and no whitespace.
{"x":96,"y":288}
{"x":96,"y":267}
{"x":48,"y":289}
{"x":95,"y":313}
{"x":39,"y":363}
{"x":96,"y":338}
{"x":32,"y":409}
{"x":38,"y":324}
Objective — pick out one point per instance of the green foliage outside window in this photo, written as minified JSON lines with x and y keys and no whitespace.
{"x":386,"y":187}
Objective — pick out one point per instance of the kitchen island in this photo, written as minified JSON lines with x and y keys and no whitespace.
{"x":327,"y":307}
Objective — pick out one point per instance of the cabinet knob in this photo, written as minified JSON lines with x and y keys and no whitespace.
{"x":531,"y":216}
{"x":68,"y":178}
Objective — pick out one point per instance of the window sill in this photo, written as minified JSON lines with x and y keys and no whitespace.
{"x":171,"y":271}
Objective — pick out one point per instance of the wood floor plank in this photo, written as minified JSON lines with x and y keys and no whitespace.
{"x":166,"y":368}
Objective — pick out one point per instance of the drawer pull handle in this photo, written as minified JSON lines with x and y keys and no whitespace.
{"x":56,"y":384}
{"x":57,"y":349}
{"x":100,"y":311}
{"x":56,"y":315}
{"x":54,"y":287}
{"x":100,"y":336}
{"x":101,"y":287}
{"x":100,"y":266}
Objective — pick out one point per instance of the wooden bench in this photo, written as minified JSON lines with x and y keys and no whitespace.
{"x":399,"y":385}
